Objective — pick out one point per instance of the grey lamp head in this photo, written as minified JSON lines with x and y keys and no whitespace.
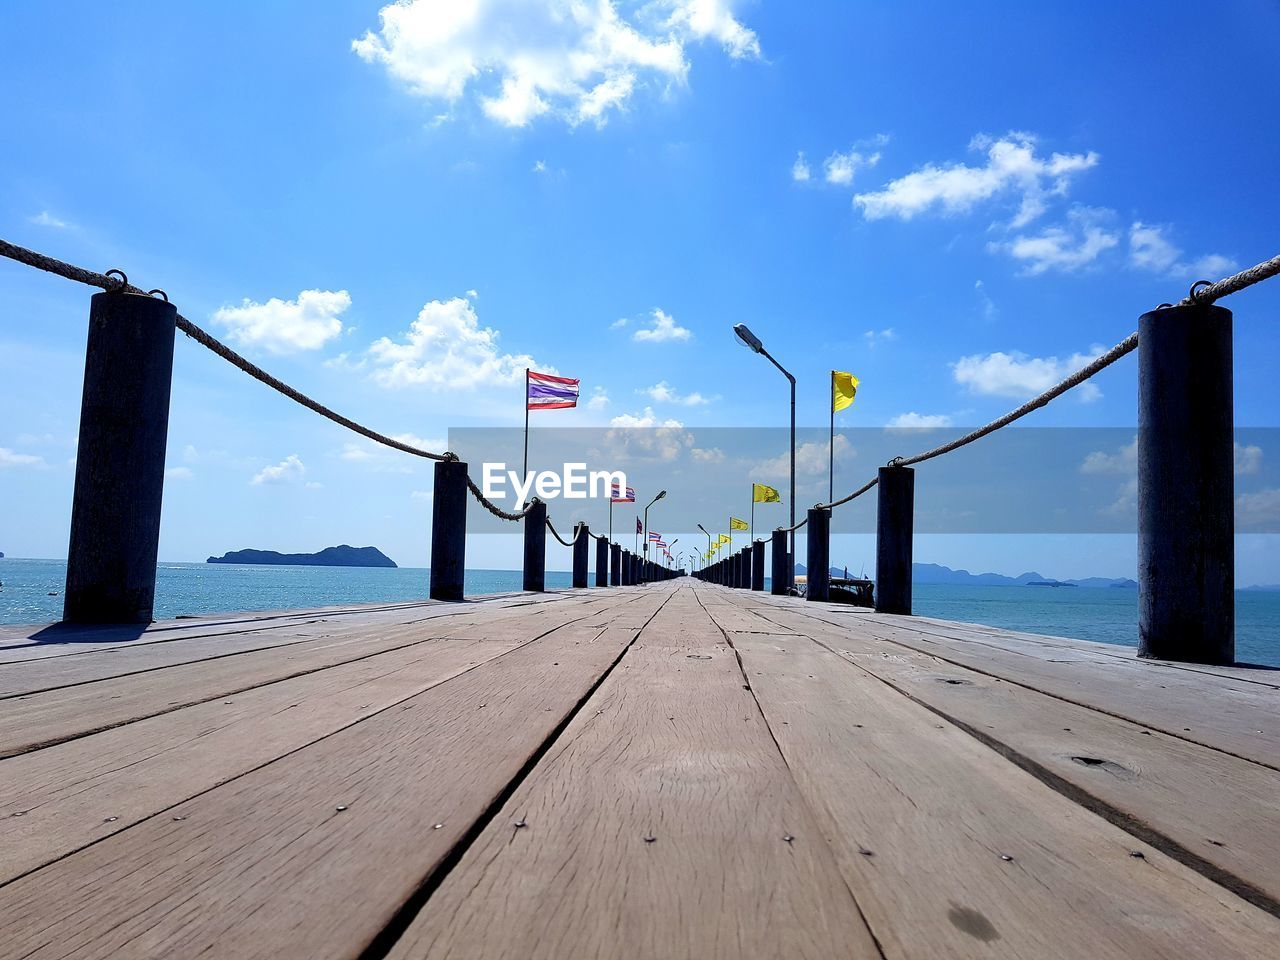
{"x":749,"y":339}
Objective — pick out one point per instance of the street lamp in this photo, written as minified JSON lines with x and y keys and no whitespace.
{"x":704,"y":530}
{"x":661,"y":494}
{"x":752,"y":342}
{"x":669,"y":546}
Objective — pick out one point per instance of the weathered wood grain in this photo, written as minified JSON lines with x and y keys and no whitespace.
{"x":953,"y":851}
{"x":312,"y":856}
{"x":1239,"y":717}
{"x":663,"y":823}
{"x":1162,"y":789}
{"x":30,"y":721}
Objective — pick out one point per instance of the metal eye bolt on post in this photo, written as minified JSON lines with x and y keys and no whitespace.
{"x":753,"y":343}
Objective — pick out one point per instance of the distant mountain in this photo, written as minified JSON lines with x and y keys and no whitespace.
{"x":937,"y":573}
{"x":1258,"y":587}
{"x":340,"y":556}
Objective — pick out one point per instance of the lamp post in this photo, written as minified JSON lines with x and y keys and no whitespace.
{"x":704,"y":530}
{"x":752,"y":342}
{"x":661,"y":494}
{"x":669,"y":546}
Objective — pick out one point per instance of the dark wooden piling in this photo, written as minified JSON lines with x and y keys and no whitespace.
{"x":535,"y":547}
{"x":119,"y":485}
{"x":615,"y":564}
{"x":449,"y":530}
{"x":818,"y":574}
{"x":1186,"y":509}
{"x":778,"y":557}
{"x":757,"y":565}
{"x":895,"y":520}
{"x":581,"y":541}
{"x":602,"y":562}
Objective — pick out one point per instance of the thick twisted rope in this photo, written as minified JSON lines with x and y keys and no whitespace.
{"x":493,"y":508}
{"x":795,"y":528}
{"x":1233,"y":284}
{"x":205,"y":339}
{"x":568,"y":543}
{"x":853,"y":496}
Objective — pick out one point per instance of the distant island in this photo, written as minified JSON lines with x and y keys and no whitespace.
{"x":937,"y":573}
{"x":340,"y":556}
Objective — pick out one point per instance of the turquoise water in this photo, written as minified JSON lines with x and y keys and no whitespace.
{"x":1106,"y":615}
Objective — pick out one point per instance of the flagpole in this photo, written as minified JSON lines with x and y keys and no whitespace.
{"x":525,"y":476}
{"x":752,"y":534}
{"x":611,"y":518}
{"x":831,"y":445}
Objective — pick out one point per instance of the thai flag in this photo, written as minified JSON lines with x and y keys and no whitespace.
{"x":639,"y":527}
{"x":545,"y":392}
{"x":654,"y":536}
{"x":615,"y":494}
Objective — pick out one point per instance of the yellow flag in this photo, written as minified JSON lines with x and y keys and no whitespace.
{"x":736,"y":524}
{"x":844,"y":386}
{"x":764,"y":494}
{"x":723,"y":539}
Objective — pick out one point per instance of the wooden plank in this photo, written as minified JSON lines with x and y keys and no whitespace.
{"x":42,"y":719}
{"x":22,"y":643}
{"x":1211,"y":811}
{"x":670,"y":747}
{"x":311,"y":856}
{"x":65,"y":797}
{"x":1235,"y":716}
{"x":48,"y":674}
{"x":953,"y":851}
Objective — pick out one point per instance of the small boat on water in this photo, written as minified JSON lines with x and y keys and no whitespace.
{"x":851,"y":590}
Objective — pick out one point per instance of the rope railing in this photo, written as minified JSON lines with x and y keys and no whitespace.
{"x":88,"y":277}
{"x":568,"y":543}
{"x":493,"y":508}
{"x":1202,"y":292}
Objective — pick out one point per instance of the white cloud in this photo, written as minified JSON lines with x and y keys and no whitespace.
{"x":619,"y":323}
{"x":812,"y":459}
{"x":988,"y":305}
{"x":874,"y":337}
{"x":919,"y":421}
{"x":287,"y":326}
{"x":1012,"y":169}
{"x":1259,"y":509}
{"x":711,"y":455}
{"x":1248,"y":459}
{"x":599,"y":399}
{"x":46,"y":219}
{"x":178,"y":473}
{"x":445,"y":347}
{"x":472,"y":294}
{"x":646,"y":419}
{"x":421,"y":495}
{"x":1069,"y":247}
{"x":1150,"y":249}
{"x":286,"y":471}
{"x":662,"y":392}
{"x":840,"y":168}
{"x":570,"y":59}
{"x":540,"y":166}
{"x":800,"y":171}
{"x":664,"y":328}
{"x":9,"y":458}
{"x":1020,"y":376}
{"x":1123,"y":461}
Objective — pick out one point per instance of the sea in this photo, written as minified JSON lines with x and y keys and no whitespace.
{"x":31,"y":593}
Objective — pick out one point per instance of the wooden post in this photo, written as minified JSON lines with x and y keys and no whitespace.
{"x":449,"y":530}
{"x":615,"y":564}
{"x":119,"y":485}
{"x":757,"y":565}
{"x":1186,"y":509}
{"x":818,"y":573}
{"x":895,"y":522}
{"x":778,"y":557}
{"x":602,"y":562}
{"x":582,"y":539}
{"x":535,"y":547}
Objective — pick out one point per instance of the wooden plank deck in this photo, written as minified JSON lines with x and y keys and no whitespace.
{"x":675,"y":770}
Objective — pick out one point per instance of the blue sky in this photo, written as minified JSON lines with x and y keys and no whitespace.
{"x":955,"y":204}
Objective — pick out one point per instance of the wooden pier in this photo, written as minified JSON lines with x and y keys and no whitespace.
{"x":669,"y":770}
